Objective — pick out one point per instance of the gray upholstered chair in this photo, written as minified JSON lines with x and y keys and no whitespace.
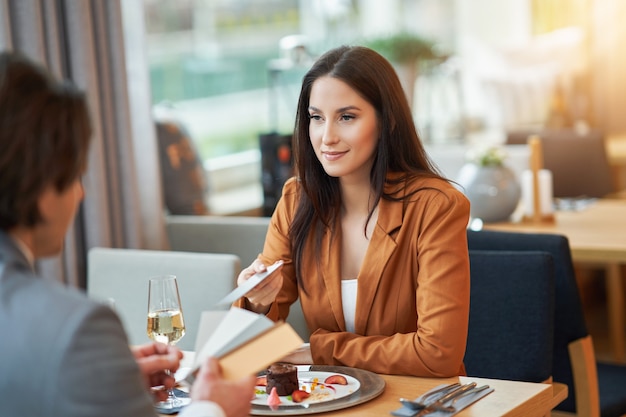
{"x":242,"y":235}
{"x":123,"y":274}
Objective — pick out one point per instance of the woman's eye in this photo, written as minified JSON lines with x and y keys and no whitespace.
{"x":347,"y":117}
{"x":315,"y":117}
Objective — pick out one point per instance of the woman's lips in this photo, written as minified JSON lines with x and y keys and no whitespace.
{"x":333,"y":156}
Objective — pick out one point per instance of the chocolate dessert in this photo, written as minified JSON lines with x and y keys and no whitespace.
{"x":283,"y":376}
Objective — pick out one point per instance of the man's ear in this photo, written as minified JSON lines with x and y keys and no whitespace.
{"x":45,"y":202}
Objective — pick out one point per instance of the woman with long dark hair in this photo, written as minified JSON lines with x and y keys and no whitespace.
{"x":372,"y":237}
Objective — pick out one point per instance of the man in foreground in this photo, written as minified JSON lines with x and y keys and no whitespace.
{"x":62,"y":354}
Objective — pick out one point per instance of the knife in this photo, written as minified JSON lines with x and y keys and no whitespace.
{"x":440,"y":404}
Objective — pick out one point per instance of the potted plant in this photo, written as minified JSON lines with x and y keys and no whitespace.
{"x":492,"y":187}
{"x":407,"y":52}
{"x":403,"y":47}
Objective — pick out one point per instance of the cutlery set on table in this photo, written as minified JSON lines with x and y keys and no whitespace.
{"x":444,"y":400}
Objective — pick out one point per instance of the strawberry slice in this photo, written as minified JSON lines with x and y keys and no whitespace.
{"x":261,"y":381}
{"x":273,"y":400}
{"x":336,"y":379}
{"x":298,"y":396}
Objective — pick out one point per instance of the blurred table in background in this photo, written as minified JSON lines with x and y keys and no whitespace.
{"x":616,"y":152}
{"x":597,"y":235}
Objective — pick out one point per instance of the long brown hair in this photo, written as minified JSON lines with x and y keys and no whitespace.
{"x":44,"y":137}
{"x":399,"y":147}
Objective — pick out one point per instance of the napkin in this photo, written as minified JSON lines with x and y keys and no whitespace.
{"x":459,"y":405}
{"x":175,"y":410}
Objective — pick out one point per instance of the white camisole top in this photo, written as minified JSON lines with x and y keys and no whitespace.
{"x":348,"y":301}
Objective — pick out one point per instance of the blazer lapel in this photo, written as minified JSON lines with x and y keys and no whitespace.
{"x":381,"y":247}
{"x":331,"y":270}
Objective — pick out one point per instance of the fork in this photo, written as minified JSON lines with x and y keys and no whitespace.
{"x":465,"y":394}
{"x":418,"y":405}
{"x":439,"y":404}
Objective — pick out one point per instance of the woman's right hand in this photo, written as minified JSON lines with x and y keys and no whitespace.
{"x":261,"y":297}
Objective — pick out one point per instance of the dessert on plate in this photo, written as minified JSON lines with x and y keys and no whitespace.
{"x":282,"y":376}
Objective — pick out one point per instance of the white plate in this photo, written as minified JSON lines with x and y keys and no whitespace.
{"x":320,"y":392}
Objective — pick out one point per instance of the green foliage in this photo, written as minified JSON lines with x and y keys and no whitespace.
{"x":487,"y":156}
{"x":403,"y":47}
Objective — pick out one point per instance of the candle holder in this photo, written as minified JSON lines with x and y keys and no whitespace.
{"x":537,"y":187}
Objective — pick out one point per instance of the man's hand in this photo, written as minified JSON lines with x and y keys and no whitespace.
{"x":154,"y":359}
{"x":233,"y":396}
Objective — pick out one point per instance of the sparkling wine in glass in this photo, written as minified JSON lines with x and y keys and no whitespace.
{"x":166,"y":323}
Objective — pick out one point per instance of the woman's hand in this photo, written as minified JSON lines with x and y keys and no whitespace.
{"x":300,"y":356}
{"x":153,"y":360}
{"x":264,"y":294}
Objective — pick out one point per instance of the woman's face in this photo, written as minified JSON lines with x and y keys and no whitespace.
{"x":343,"y":128}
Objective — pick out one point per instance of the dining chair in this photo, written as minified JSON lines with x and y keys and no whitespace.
{"x":122,"y":275}
{"x":511,"y":315}
{"x":578,"y":161}
{"x":242,"y":235}
{"x":595,"y":388}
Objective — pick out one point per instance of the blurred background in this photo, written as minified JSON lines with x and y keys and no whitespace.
{"x":230,"y":70}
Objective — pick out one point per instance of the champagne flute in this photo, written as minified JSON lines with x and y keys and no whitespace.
{"x":165,"y":320}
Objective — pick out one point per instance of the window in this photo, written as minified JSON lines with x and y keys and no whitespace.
{"x":213,"y":62}
{"x":218,"y":65}
{"x":209,"y":64}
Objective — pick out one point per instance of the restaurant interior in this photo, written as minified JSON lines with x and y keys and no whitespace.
{"x":520,"y":102}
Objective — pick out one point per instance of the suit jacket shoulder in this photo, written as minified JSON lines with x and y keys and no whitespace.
{"x":67,"y":355}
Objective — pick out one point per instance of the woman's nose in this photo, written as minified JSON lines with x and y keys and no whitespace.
{"x":329,"y":135}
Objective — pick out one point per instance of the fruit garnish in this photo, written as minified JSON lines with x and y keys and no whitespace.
{"x":336,"y":379}
{"x":273,"y":400}
{"x":261,"y":381}
{"x":298,"y":396}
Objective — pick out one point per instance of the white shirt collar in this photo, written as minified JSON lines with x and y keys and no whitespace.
{"x":28,"y":254}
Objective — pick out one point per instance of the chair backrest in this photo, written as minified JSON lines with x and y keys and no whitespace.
{"x":242,"y":235}
{"x":511,"y":321}
{"x":568,"y":316}
{"x":123,"y":274}
{"x":578,"y":162}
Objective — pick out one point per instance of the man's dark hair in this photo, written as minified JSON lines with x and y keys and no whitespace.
{"x":45,"y":132}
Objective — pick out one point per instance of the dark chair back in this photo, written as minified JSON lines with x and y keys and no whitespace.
{"x":511,"y":315}
{"x":568,"y":316}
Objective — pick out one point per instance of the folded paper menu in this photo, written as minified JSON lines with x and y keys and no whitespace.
{"x":250,"y":283}
{"x":244,"y":342}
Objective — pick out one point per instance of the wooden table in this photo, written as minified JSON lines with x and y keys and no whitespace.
{"x":509,"y":398}
{"x":597,"y":234}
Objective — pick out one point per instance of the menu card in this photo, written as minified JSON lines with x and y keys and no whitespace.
{"x":244,"y":342}
{"x":249,"y":284}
